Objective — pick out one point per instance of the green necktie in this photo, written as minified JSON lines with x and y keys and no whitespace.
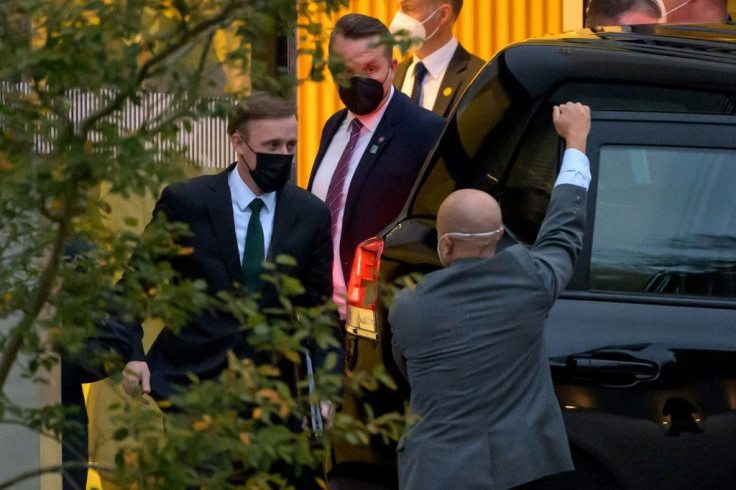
{"x":253,"y":254}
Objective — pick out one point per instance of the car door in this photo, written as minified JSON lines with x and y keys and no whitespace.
{"x":643,"y":342}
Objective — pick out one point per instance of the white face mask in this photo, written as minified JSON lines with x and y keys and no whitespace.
{"x":463,"y":236}
{"x":404,"y":22}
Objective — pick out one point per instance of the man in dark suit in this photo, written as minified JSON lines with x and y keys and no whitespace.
{"x":236,"y":219}
{"x":440,"y":69}
{"x":371,"y":152}
{"x":469,"y":338}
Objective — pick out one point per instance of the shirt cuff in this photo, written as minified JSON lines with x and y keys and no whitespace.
{"x":575,"y":169}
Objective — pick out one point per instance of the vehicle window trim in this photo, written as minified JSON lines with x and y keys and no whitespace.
{"x":602,"y":122}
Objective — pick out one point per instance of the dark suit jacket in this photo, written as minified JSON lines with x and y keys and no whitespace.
{"x":469,"y":340}
{"x":386,"y":171}
{"x":460,"y":72}
{"x":301,"y":229}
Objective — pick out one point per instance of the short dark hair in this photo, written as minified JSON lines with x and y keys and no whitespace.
{"x":258,"y":106}
{"x":607,"y":12}
{"x":457,"y":6}
{"x":359,"y":26}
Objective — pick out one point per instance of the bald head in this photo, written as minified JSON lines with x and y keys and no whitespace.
{"x":468,"y":211}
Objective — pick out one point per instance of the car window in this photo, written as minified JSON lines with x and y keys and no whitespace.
{"x":665,"y":221}
{"x":527,"y":187}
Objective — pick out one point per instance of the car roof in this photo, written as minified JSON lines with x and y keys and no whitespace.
{"x":701,"y":56}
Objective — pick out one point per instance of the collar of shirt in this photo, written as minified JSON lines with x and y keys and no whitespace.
{"x":370,"y":121}
{"x":437,"y":62}
{"x":242,"y":195}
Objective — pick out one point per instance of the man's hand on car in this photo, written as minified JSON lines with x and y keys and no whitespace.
{"x":572,"y":122}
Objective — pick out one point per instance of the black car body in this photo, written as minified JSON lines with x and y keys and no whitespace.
{"x":642,"y":343}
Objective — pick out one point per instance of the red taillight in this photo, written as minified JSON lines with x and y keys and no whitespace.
{"x":363,"y":289}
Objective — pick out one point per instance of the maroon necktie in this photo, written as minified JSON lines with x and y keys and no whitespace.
{"x":334,"y":198}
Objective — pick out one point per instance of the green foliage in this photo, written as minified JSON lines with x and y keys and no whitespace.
{"x":64,"y":269}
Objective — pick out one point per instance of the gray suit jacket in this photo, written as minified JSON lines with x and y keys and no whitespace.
{"x":460,"y":72}
{"x":469,"y":341}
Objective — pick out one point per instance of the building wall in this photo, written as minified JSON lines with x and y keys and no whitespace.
{"x":484,"y":27}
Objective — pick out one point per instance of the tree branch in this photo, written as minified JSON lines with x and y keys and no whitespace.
{"x":152,"y":62}
{"x":40,"y":295}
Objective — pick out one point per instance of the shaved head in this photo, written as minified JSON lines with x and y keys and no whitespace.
{"x":468,"y":211}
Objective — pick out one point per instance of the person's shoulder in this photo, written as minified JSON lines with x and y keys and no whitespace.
{"x":476,"y":64}
{"x":467,"y":61}
{"x":191,"y":189}
{"x":302,"y":198}
{"x":336,"y":117}
{"x":417,"y":115}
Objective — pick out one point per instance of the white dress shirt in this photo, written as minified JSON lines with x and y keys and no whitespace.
{"x":242,"y":196}
{"x":436,"y":64}
{"x":575,"y":169}
{"x":324,"y":175}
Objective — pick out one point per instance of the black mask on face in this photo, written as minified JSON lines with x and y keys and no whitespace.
{"x":363,"y":95}
{"x":272,"y":170}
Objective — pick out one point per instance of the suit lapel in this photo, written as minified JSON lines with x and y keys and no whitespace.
{"x":383,"y":134}
{"x":283,"y":222}
{"x":452,"y":81}
{"x":220,"y":209}
{"x":401,"y":70}
{"x":331,"y":127}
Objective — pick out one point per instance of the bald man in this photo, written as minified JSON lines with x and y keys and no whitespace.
{"x":469,"y":338}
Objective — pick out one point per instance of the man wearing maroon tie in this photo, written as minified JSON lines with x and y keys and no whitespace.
{"x":370,"y":152}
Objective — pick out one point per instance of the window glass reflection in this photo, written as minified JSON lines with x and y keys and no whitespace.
{"x":665,"y":221}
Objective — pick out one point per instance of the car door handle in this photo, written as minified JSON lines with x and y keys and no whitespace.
{"x":612,"y":369}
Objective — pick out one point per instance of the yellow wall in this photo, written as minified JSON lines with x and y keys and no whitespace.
{"x":484,"y":27}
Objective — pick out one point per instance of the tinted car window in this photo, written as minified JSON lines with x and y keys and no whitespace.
{"x":665,"y":221}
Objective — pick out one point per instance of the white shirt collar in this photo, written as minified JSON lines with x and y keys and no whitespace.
{"x":242,"y":195}
{"x":437,"y":62}
{"x":370,"y":121}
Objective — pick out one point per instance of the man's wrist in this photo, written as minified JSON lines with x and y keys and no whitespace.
{"x":577,"y":143}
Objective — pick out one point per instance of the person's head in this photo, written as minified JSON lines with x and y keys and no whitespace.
{"x":428,"y":21}
{"x":622,"y":12}
{"x":694,"y":11}
{"x":263,"y":132}
{"x":361,"y":62}
{"x":469,"y":225}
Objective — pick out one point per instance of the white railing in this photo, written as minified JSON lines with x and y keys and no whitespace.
{"x":205,"y":145}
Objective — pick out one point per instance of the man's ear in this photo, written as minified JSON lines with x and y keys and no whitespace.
{"x":447,"y":247}
{"x":445,"y":14}
{"x":236,"y":142}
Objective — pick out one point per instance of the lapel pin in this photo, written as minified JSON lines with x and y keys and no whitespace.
{"x":381,"y":138}
{"x":374,"y":149}
{"x":447,"y":91}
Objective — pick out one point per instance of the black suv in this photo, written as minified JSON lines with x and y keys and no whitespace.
{"x":643,"y":341}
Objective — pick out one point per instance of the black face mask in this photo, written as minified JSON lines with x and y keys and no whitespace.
{"x":363,"y":96}
{"x":272,"y":170}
